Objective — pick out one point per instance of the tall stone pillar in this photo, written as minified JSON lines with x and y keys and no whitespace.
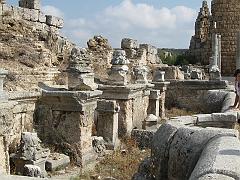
{"x":107,"y":122}
{"x":238,"y":51}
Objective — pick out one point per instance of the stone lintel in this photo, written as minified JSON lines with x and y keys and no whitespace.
{"x":124,"y":92}
{"x":199,"y":84}
{"x":79,"y":95}
{"x":161,"y":85}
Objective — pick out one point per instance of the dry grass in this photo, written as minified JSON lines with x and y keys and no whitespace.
{"x":173,"y":112}
{"x":121,"y":164}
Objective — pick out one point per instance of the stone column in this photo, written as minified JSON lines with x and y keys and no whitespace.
{"x":3,"y":95}
{"x":161,"y":85}
{"x":215,"y":60}
{"x":238,"y":51}
{"x":154,"y":100}
{"x":107,"y":122}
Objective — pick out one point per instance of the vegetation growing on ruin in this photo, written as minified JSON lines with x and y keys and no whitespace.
{"x":121,"y":164}
{"x":173,"y":112}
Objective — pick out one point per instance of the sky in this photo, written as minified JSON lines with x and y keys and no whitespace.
{"x":162,"y":23}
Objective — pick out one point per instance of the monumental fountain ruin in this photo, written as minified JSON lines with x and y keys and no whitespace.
{"x":64,"y":101}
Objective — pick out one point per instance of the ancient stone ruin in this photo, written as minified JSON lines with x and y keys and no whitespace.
{"x":62,"y":104}
{"x":222,"y":21}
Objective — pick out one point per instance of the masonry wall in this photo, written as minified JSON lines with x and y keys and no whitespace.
{"x":226,"y":15}
{"x":197,"y":96}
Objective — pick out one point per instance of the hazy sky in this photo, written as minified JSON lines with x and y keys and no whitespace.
{"x":163,"y":23}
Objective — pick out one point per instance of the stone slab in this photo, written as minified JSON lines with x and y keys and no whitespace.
{"x":54,"y":21}
{"x":221,"y":155}
{"x":57,"y":161}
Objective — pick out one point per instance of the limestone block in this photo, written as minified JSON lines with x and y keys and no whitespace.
{"x":107,"y":122}
{"x":203,"y":118}
{"x":27,"y":14}
{"x":186,"y":148}
{"x":186,"y":120}
{"x":57,"y":161}
{"x":98,"y":144}
{"x":41,"y":17}
{"x":141,"y":73}
{"x":118,"y":75}
{"x":54,"y":21}
{"x":150,"y":49}
{"x":221,"y":155}
{"x":17,"y":13}
{"x":32,"y":170}
{"x":129,"y":44}
{"x":160,"y":145}
{"x":34,"y":15}
{"x":119,"y":58}
{"x":30,"y":4}
{"x":172,"y":72}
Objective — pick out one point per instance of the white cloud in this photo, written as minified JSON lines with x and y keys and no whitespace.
{"x":51,"y":10}
{"x":162,"y":27}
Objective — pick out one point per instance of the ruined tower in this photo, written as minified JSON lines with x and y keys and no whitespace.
{"x":226,"y":15}
{"x":198,"y":45}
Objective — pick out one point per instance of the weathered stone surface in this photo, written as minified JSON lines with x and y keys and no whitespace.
{"x":159,"y":76}
{"x":220,"y":156}
{"x":215,"y":177}
{"x":160,"y":147}
{"x":30,"y":4}
{"x":186,"y":148}
{"x":107,"y":122}
{"x":30,"y":152}
{"x":180,"y":147}
{"x":186,"y":120}
{"x":144,"y":170}
{"x":57,"y":161}
{"x":141,"y":73}
{"x":172,"y":72}
{"x":54,"y":21}
{"x":129,"y":44}
{"x":32,"y":170}
{"x":99,"y":145}
{"x":143,"y":137}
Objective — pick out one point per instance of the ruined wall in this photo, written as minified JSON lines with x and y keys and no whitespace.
{"x":226,"y":15}
{"x":16,"y":116}
{"x":197,"y":96}
{"x":30,"y":46}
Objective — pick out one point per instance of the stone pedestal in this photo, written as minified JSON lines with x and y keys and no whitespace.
{"x":154,"y":100}
{"x":162,"y":86}
{"x":141,"y":73}
{"x":159,"y":76}
{"x":80,"y":74}
{"x":65,"y":118}
{"x":133,"y":100}
{"x":107,"y":122}
{"x":3,"y":94}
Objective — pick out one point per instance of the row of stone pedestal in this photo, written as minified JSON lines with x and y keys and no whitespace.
{"x":115,"y":108}
{"x":66,"y":117}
